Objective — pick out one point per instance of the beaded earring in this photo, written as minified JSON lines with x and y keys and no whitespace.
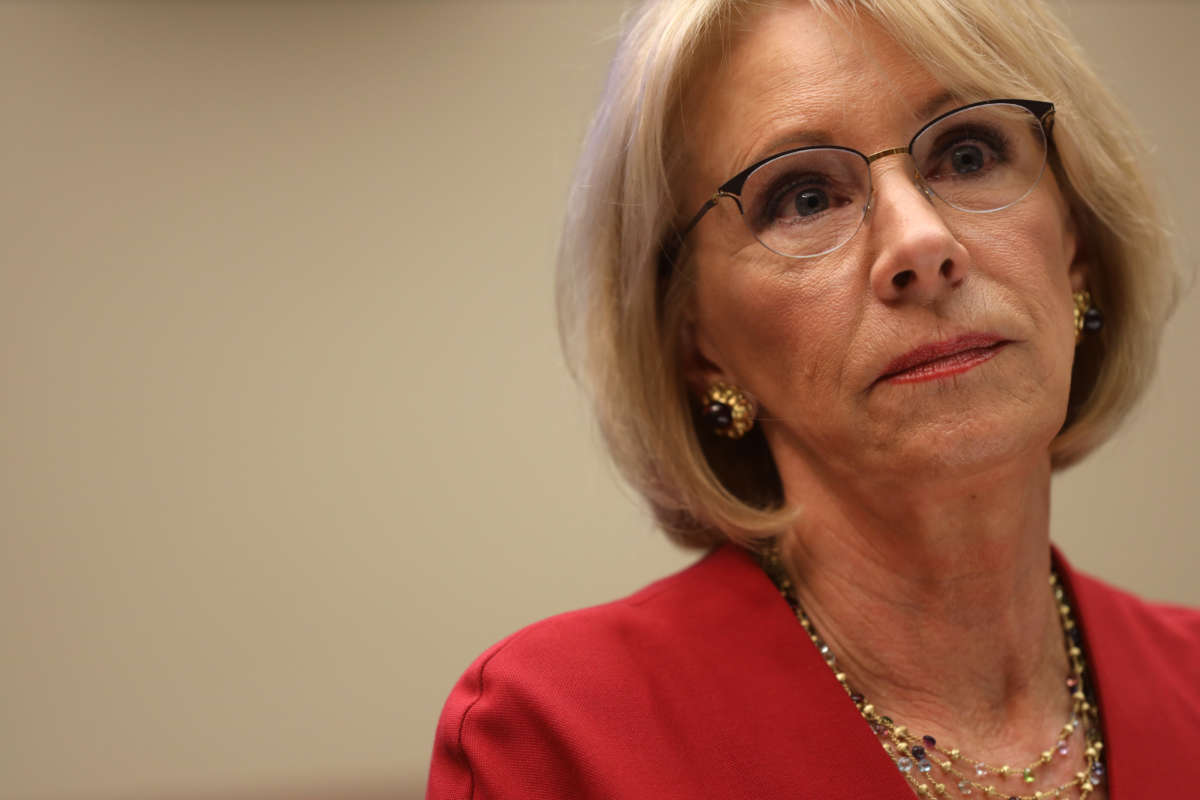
{"x":1088,"y":318}
{"x":728,"y":410}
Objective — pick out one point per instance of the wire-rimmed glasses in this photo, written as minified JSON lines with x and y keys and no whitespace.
{"x":807,"y":202}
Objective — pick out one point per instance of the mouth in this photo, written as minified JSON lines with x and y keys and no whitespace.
{"x":942,"y":359}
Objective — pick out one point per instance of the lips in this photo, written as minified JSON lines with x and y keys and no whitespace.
{"x":942,"y":359}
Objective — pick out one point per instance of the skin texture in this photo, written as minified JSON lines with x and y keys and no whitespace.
{"x":921,"y":553}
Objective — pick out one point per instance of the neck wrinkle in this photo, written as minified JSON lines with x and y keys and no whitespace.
{"x":938,"y":607}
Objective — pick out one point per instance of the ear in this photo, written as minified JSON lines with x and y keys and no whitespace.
{"x":1079,"y":252}
{"x":700,"y":360}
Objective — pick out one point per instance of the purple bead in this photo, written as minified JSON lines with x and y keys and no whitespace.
{"x":929,"y":740}
{"x":918,"y":752}
{"x":857,"y":699}
{"x":719,"y":415}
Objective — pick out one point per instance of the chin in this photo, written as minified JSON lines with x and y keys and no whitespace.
{"x":969,"y":441}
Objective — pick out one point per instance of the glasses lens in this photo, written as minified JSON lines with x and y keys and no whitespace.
{"x":984,"y":158}
{"x":807,"y":203}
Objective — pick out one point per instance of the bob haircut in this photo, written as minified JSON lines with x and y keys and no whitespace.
{"x":622,"y":303}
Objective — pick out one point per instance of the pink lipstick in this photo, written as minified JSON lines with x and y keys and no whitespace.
{"x":942,"y":359}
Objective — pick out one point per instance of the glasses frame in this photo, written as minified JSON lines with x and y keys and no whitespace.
{"x":1042,"y":110}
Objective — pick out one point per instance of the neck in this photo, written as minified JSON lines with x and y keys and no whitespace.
{"x":937,"y":604}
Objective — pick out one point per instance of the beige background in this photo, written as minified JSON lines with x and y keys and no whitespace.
{"x":285,"y":439}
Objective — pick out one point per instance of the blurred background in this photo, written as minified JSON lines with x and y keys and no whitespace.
{"x":285,"y":436}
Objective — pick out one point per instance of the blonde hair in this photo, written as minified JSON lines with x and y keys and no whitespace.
{"x":621,"y":313}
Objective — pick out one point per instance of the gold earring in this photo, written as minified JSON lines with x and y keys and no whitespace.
{"x":1088,"y":318}
{"x":728,"y":410}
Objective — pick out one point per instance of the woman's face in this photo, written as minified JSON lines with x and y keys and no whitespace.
{"x":817,"y":341}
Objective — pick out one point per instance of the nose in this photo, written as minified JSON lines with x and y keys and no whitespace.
{"x":918,"y":259}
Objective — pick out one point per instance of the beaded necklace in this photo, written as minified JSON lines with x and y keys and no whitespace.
{"x":916,"y":757}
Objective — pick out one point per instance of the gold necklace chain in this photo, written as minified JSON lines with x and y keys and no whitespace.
{"x":916,"y":757}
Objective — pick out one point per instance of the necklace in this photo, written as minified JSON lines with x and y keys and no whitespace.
{"x":916,"y":757}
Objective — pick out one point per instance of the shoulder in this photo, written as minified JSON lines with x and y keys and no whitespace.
{"x":715,"y":592}
{"x":575,"y":688}
{"x":1166,"y":626}
{"x":1144,"y":658}
{"x":1144,"y":651}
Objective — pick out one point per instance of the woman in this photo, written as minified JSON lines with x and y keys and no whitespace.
{"x":935,"y":275}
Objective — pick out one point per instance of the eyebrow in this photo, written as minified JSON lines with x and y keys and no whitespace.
{"x":806,"y":138}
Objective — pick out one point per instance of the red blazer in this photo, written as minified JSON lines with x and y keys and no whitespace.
{"x":704,"y":685}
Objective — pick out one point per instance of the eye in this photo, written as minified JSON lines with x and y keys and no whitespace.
{"x":966,"y":152}
{"x":811,"y":201}
{"x":967,"y":158}
{"x":798,"y":199}
{"x":802,"y":200}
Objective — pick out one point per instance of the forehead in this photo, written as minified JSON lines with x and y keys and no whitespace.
{"x":790,"y":76}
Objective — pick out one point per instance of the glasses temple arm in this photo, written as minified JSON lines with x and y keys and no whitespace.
{"x":712,"y":201}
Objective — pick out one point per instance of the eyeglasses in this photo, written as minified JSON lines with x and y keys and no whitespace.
{"x":807,"y":202}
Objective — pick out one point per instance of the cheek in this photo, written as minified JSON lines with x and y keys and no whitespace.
{"x":1025,"y":257}
{"x":779,"y":330}
{"x":1027,"y":253}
